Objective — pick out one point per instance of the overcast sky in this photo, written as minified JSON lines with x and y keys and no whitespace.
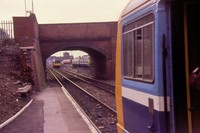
{"x":64,"y":11}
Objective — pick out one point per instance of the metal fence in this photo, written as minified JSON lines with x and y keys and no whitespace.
{"x":6,"y":30}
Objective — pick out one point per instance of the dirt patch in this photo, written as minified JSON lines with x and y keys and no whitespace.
{"x":10,"y":79}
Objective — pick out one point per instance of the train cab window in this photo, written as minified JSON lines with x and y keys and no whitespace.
{"x":138,"y":49}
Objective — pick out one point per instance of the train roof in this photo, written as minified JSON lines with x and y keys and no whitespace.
{"x":134,"y":5}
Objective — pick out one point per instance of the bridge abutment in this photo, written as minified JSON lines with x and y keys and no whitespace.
{"x":27,"y":35}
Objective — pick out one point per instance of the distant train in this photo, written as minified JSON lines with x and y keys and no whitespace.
{"x":57,"y":64}
{"x":81,"y":62}
{"x":66,"y":62}
{"x":158,"y":48}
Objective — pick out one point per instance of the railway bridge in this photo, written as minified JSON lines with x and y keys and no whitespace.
{"x":42,"y":40}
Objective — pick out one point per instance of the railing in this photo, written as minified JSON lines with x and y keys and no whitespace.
{"x":6,"y":30}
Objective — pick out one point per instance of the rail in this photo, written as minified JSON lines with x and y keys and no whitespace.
{"x":102,"y":115}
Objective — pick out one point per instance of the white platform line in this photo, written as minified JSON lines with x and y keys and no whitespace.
{"x":16,"y":115}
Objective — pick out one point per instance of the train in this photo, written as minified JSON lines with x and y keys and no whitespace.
{"x":81,"y":61}
{"x":57,"y":64}
{"x":66,"y":62}
{"x":157,"y":52}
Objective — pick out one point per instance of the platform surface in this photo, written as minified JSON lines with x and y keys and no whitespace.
{"x":50,"y":112}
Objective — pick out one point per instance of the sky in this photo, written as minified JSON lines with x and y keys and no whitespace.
{"x":64,"y":11}
{"x":75,"y":53}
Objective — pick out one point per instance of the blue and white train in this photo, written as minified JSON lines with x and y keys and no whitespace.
{"x":81,"y":61}
{"x":158,"y":47}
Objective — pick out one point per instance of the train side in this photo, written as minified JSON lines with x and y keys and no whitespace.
{"x":81,"y":62}
{"x":66,"y":62}
{"x":152,"y":79}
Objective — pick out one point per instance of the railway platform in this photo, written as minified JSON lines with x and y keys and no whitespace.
{"x":50,"y":112}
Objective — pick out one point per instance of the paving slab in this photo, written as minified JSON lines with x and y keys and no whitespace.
{"x":30,"y":121}
{"x":50,"y":112}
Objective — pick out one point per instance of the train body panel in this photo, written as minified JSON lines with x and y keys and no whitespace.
{"x":143,"y":120}
{"x":146,"y":69}
{"x":66,"y":61}
{"x":81,"y":62}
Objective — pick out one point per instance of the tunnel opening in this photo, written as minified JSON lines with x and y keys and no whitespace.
{"x":82,"y":60}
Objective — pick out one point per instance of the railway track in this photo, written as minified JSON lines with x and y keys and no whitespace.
{"x":97,"y":90}
{"x":100,"y":114}
{"x":90,"y":80}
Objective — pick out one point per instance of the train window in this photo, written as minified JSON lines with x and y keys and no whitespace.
{"x":140,"y":22}
{"x":138,"y":49}
{"x":148,"y":52}
{"x":138,"y":54}
{"x":128,"y":54}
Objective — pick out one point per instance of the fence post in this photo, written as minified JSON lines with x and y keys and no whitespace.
{"x":6,"y":30}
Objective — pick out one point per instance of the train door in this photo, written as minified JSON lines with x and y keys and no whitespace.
{"x":185,"y":26}
{"x":192,"y":59}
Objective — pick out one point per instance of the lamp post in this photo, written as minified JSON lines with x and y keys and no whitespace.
{"x":32,"y":7}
